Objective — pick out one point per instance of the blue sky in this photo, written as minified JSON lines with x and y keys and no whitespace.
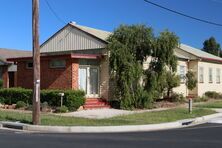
{"x":16,"y":31}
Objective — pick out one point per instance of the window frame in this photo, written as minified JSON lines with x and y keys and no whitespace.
{"x":201,"y":75}
{"x":182,"y":68}
{"x":27,"y":64}
{"x":210,"y":75}
{"x":218,"y":73}
{"x":57,"y":67}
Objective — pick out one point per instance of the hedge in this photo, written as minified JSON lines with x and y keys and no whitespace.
{"x":1,"y":83}
{"x":213,"y":95}
{"x":73,"y":99}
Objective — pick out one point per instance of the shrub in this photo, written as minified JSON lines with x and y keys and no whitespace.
{"x":62,"y":109}
{"x":73,"y":99}
{"x":20,"y":104}
{"x":1,"y":83}
{"x":44,"y":104}
{"x":114,"y":104}
{"x":13,"y":95}
{"x":213,"y":95}
{"x":2,"y":100}
{"x":201,"y":99}
{"x":175,"y":97}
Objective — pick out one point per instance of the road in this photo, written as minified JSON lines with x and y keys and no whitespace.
{"x":202,"y":136}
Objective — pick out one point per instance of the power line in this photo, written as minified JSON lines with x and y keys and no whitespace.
{"x":54,"y":13}
{"x":184,"y":15}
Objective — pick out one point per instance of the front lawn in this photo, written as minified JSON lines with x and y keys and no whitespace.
{"x":215,"y":104}
{"x":133,"y":119}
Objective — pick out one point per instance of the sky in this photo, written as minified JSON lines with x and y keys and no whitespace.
{"x":16,"y":18}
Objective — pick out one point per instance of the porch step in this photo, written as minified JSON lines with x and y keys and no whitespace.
{"x":95,"y":103}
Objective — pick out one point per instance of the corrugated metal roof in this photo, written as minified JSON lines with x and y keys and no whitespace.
{"x":101,"y":34}
{"x":199,"y":53}
{"x":73,"y":37}
{"x":12,"y":53}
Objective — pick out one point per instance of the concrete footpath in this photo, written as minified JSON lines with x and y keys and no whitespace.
{"x":110,"y":129}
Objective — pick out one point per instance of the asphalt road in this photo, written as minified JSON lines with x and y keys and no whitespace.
{"x":203,"y":136}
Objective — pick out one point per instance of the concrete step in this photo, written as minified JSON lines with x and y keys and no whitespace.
{"x":95,"y":103}
{"x":95,"y":106}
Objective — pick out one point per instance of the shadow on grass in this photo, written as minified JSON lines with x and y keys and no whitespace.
{"x":21,"y":120}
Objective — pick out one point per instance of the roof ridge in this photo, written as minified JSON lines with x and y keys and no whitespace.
{"x":9,"y":49}
{"x":198,"y":52}
{"x":77,"y":25}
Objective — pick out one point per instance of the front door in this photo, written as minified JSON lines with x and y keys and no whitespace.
{"x":89,"y":80}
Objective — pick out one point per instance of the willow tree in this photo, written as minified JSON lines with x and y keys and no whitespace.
{"x":163,"y":59}
{"x":129,"y":46}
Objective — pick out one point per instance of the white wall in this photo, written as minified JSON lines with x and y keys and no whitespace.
{"x":182,"y":88}
{"x":206,"y":86}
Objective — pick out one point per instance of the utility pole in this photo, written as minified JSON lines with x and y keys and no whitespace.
{"x":36,"y":63}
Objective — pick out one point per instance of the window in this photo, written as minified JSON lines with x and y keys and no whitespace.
{"x":57,"y":64}
{"x":29,"y":65}
{"x":201,"y":75}
{"x":218,"y":76}
{"x":210,"y":75}
{"x":182,"y":74}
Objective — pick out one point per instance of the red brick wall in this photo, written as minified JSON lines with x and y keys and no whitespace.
{"x":5,"y":77}
{"x":75,"y":74}
{"x":51,"y":78}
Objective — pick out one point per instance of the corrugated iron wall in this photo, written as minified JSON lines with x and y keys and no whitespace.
{"x":71,"y":39}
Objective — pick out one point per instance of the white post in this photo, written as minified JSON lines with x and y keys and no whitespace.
{"x":61,"y":94}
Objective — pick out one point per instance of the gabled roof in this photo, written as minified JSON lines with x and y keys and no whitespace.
{"x":101,"y":34}
{"x":12,"y":53}
{"x":74,"y":37}
{"x":199,"y":54}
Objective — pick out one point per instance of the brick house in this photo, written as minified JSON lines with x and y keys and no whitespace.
{"x":72,"y":58}
{"x":75,"y":57}
{"x":8,"y":70}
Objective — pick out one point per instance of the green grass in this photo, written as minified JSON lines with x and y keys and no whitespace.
{"x":215,"y":104}
{"x":134,"y":119}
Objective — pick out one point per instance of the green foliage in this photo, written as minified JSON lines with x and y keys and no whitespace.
{"x":72,"y":98}
{"x":175,"y":97}
{"x":163,"y":57}
{"x":62,"y":109}
{"x":191,"y":80}
{"x":13,"y":95}
{"x":129,"y":47}
{"x":172,"y":80}
{"x":211,"y":46}
{"x":1,"y":83}
{"x":213,"y":95}
{"x":44,"y":105}
{"x":201,"y":99}
{"x":2,"y":100}
{"x":20,"y":104}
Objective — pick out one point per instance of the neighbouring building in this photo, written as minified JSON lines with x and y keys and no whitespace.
{"x":8,"y":70}
{"x":75,"y":57}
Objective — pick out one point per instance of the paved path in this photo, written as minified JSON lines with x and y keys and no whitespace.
{"x":204,"y":136}
{"x":105,"y":113}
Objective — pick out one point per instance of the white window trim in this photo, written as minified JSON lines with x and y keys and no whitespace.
{"x":218,"y":75}
{"x":201,"y":74}
{"x":210,"y":75}
{"x":182,"y":80}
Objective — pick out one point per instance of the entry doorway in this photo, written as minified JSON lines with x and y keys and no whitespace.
{"x":89,"y":80}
